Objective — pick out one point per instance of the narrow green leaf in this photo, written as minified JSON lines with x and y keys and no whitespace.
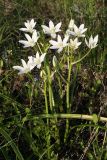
{"x":12,"y":144}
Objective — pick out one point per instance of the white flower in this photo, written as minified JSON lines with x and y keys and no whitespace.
{"x":29,"y":26}
{"x":30,"y":40}
{"x":25,"y":68}
{"x":38,"y":60}
{"x":59,"y":44}
{"x":92,"y":42}
{"x":74,"y":44}
{"x":78,"y":32}
{"x":52,"y":29}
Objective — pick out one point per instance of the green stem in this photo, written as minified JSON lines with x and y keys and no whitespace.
{"x":68,"y":99}
{"x":47,"y":112}
{"x":68,"y":88}
{"x":61,"y":109}
{"x":39,"y":47}
{"x":68,"y":58}
{"x":62,"y":77}
{"x":51,"y":100}
{"x":45,"y":94}
{"x":72,"y":116}
{"x":32,"y":89}
{"x":81,"y":58}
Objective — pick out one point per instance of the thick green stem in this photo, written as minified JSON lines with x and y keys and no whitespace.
{"x":72,"y":116}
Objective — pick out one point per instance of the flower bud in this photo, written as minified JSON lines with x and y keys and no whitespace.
{"x":42,"y":74}
{"x":54,"y":61}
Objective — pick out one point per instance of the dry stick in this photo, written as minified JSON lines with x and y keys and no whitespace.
{"x":94,"y":133}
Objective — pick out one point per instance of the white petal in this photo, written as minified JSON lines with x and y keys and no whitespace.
{"x":51,"y":24}
{"x":21,"y":72}
{"x":37,"y":55}
{"x":27,"y":24}
{"x":59,"y":39}
{"x":82,"y":35}
{"x":32,"y":23}
{"x":28,"y":37}
{"x":18,"y":67}
{"x":71,"y":33}
{"x":24,"y":63}
{"x":60,"y":49}
{"x":81,"y":27}
{"x":79,"y":43}
{"x":30,"y":60}
{"x":65,"y":39}
{"x":26,"y":43}
{"x":42,"y":57}
{"x":96,"y":39}
{"x":23,"y":29}
{"x":84,"y":30}
{"x":75,"y":28}
{"x":46,"y":29}
{"x":86,"y":42}
{"x":91,"y":40}
{"x":57,"y":27}
{"x":38,"y":66}
{"x":53,"y":35}
{"x":35,"y":36}
{"x":54,"y":43}
{"x":71,"y":24}
{"x":54,"y":47}
{"x":23,"y":42}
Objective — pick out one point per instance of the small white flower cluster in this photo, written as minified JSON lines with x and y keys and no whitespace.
{"x":30,"y":42}
{"x":70,"y":40}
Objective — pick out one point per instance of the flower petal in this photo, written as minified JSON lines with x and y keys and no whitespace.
{"x":51,"y":24}
{"x":57,"y":27}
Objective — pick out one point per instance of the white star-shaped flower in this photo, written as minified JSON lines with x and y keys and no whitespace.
{"x":78,"y":32}
{"x":52,"y":29}
{"x":59,"y":44}
{"x":92,"y":42}
{"x":30,"y":40}
{"x":74,"y":44}
{"x":29,"y":26}
{"x":25,"y":68}
{"x":36,"y":61}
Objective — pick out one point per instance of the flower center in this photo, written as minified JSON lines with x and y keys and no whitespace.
{"x":53,"y":30}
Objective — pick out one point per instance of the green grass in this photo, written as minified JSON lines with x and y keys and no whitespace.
{"x":26,"y":132}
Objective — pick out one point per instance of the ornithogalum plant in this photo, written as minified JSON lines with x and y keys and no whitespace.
{"x":65,"y":48}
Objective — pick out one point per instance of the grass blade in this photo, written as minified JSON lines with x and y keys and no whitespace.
{"x":12,"y":144}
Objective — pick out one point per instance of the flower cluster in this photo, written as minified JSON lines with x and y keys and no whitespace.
{"x":30,"y":41}
{"x":70,"y":39}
